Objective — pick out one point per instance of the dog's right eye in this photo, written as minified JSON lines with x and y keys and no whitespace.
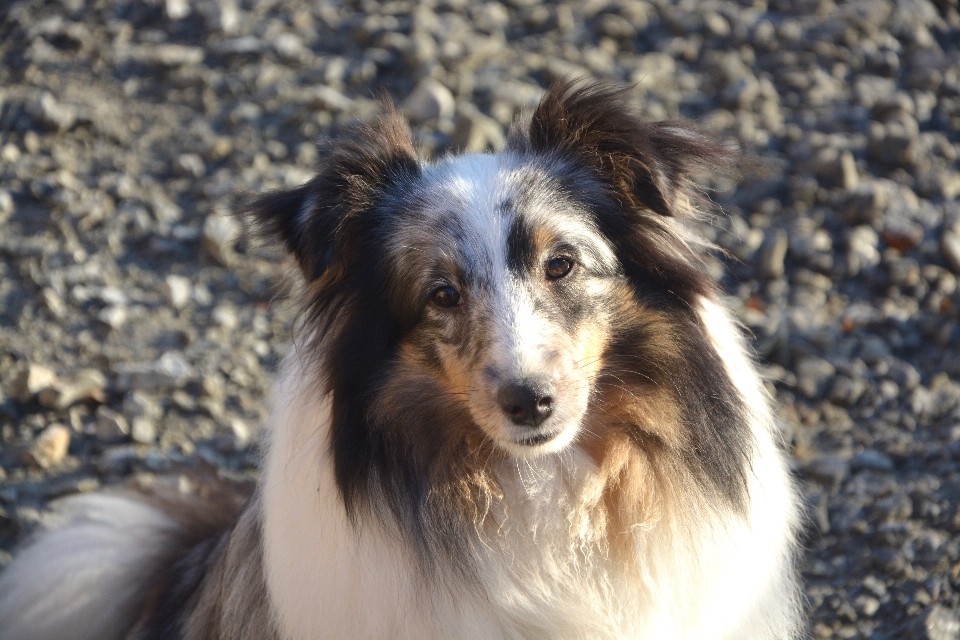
{"x":556,"y":268}
{"x":446,"y":297}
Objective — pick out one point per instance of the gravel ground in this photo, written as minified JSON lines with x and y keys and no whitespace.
{"x":139,"y":326}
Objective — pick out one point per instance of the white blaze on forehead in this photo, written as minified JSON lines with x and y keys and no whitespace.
{"x":472,"y":188}
{"x":465,"y":192}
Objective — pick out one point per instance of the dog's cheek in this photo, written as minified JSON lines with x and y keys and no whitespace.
{"x":582,"y":360}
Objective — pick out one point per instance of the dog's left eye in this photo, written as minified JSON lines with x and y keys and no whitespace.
{"x":558,"y":267}
{"x":446,"y":297}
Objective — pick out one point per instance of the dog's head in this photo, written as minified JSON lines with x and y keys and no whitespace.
{"x":480,"y":301}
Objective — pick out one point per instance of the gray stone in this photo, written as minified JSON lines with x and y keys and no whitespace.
{"x":742,"y":92}
{"x":934,"y":623}
{"x":183,"y":400}
{"x":165,"y":210}
{"x":143,"y":431}
{"x":330,"y":99}
{"x":904,"y":374}
{"x":177,"y":290}
{"x":847,"y":391}
{"x":140,"y":405}
{"x":849,"y":176}
{"x":221,"y":15}
{"x":716,"y":24}
{"x":110,"y":425}
{"x":772,"y":254}
{"x":429,"y":101}
{"x":31,"y":380}
{"x":49,"y":448}
{"x":902,"y":233}
{"x":476,"y":132}
{"x":190,"y":165}
{"x":873,"y":349}
{"x":863,"y":253}
{"x":828,"y":470}
{"x":246,"y":45}
{"x":6,"y":205}
{"x":220,"y":232}
{"x":896,"y":507}
{"x":866,"y":605}
{"x":176,"y":9}
{"x":871,"y":460}
{"x":807,"y":239}
{"x":114,"y":316}
{"x":950,"y":248}
{"x":875,"y":586}
{"x":53,"y":114}
{"x":86,"y":385}
{"x":813,"y":376}
{"x":894,"y":146}
{"x":616,"y":27}
{"x":9,"y":154}
{"x":171,"y":370}
{"x":241,"y":433}
{"x":290,"y":47}
{"x":868,"y":202}
{"x":948,"y":184}
{"x":168,"y":55}
{"x":225,"y":315}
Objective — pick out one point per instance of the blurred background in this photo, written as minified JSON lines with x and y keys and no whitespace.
{"x":140,"y":326}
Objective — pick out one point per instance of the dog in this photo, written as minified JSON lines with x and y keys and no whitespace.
{"x":517,"y":408}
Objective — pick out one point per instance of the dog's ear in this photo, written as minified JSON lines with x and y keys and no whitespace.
{"x":315,"y":219}
{"x":648,"y":164}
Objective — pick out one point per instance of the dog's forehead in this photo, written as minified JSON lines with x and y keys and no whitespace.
{"x":476,"y":218}
{"x":461,"y":209}
{"x":476,"y":193}
{"x":476,"y":204}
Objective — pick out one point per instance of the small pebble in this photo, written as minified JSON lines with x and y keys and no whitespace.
{"x":177,"y":290}
{"x":50,"y":447}
{"x":429,"y":101}
{"x":111,"y":425}
{"x":31,"y":380}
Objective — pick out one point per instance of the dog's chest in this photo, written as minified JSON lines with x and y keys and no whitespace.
{"x":546,"y":565}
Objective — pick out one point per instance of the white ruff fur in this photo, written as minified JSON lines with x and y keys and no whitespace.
{"x":541,"y":576}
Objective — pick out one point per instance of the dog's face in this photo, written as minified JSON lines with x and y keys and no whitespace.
{"x":512,"y":303}
{"x":515,"y":282}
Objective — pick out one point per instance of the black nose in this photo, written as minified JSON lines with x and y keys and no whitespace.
{"x":527,"y":402}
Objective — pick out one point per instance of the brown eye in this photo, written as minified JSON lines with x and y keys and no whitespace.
{"x":558,"y":267}
{"x":446,"y":297}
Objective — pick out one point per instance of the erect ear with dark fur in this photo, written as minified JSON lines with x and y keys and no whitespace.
{"x":313,"y":219}
{"x":649,"y":164}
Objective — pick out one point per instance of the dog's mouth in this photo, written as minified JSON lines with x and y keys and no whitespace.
{"x":538,"y":439}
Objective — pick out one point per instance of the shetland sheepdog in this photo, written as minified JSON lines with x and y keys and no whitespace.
{"x":517,"y":408}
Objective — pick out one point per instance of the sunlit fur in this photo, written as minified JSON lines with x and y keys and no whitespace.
{"x":398,"y":497}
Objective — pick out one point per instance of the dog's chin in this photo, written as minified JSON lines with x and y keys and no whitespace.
{"x":536,"y":443}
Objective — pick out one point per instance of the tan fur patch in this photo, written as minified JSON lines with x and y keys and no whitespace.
{"x":461,"y":454}
{"x":633,"y":431}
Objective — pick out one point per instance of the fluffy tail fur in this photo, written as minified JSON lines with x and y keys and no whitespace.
{"x":103,"y":562}
{"x":88,"y":575}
